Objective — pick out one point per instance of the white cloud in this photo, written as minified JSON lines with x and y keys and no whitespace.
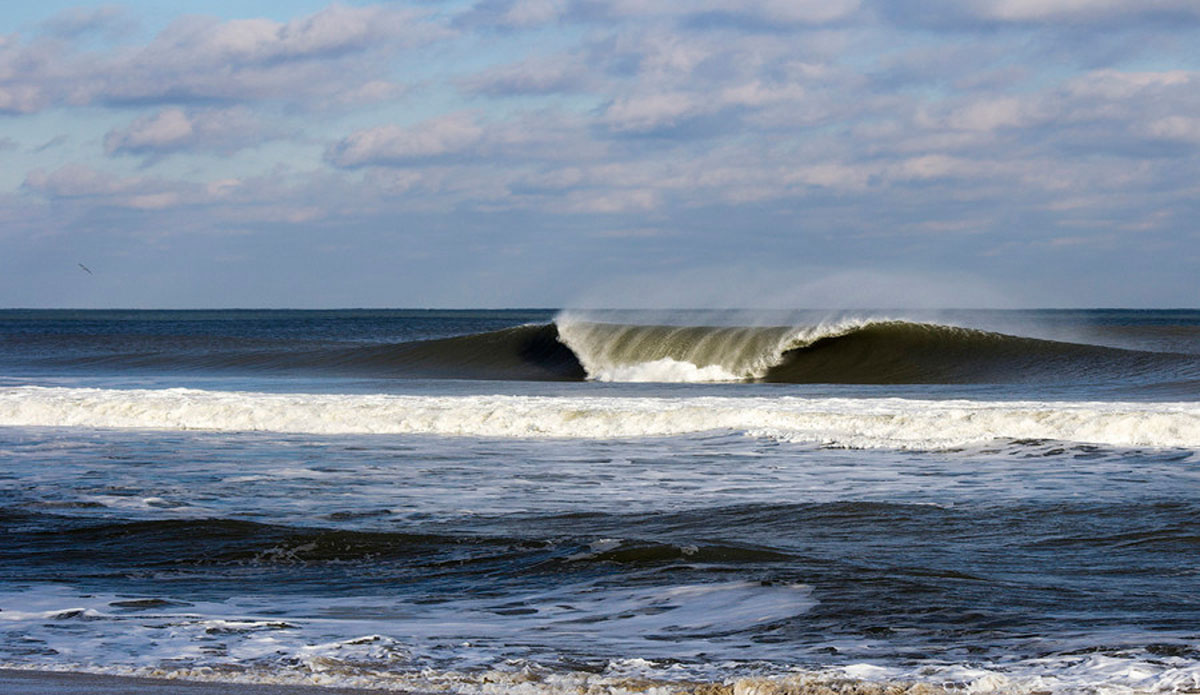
{"x":800,"y":11}
{"x":542,"y":75}
{"x":1076,"y":10}
{"x":1121,"y":85}
{"x":757,"y":93}
{"x":254,"y":59}
{"x":21,"y":98}
{"x":80,"y":185}
{"x":77,"y":180}
{"x":1083,"y":16}
{"x":371,"y":92}
{"x":994,"y":113}
{"x":152,"y":201}
{"x":832,"y":175}
{"x":933,"y":166}
{"x":166,"y":128}
{"x":332,"y":31}
{"x":335,"y":56}
{"x":778,"y":11}
{"x":532,"y":13}
{"x":173,"y":129}
{"x":645,"y":112}
{"x":610,"y":201}
{"x":387,"y":144}
{"x":1177,"y":128}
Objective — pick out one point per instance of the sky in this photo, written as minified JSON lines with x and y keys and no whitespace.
{"x":558,"y":153}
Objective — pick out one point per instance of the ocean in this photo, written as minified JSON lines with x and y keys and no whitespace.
{"x":545,"y":502}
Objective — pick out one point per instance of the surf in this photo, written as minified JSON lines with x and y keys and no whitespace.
{"x":868,"y":423}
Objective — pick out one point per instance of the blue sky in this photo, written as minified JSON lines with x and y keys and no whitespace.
{"x":811,"y":153}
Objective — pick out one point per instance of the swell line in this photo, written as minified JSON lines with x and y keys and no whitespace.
{"x":865,"y":351}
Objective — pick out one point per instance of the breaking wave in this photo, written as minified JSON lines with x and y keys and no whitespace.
{"x":851,"y":352}
{"x":874,"y":351}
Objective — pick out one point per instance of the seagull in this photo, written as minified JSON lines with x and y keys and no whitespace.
{"x":89,"y":270}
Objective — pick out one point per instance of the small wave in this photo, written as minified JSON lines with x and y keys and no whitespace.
{"x":215,"y":542}
{"x":838,"y":422}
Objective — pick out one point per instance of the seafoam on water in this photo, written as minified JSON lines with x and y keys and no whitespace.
{"x":842,"y":422}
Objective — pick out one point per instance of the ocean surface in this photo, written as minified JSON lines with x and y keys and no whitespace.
{"x":541,"y":502}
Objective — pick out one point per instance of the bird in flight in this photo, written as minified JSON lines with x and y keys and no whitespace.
{"x":89,"y":270}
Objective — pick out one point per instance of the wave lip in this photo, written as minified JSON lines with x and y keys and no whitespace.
{"x":837,"y":422}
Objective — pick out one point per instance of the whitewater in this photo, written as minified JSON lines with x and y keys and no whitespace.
{"x":842,"y":422}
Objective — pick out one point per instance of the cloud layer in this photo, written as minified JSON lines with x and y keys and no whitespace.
{"x":527,"y":152}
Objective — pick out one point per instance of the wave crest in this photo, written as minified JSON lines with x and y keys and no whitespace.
{"x":852,"y":351}
{"x":632,"y":352}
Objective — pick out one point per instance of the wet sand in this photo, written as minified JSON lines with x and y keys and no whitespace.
{"x":53,"y":683}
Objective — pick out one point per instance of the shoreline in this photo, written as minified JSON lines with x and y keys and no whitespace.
{"x":38,"y":682}
{"x":33,"y":682}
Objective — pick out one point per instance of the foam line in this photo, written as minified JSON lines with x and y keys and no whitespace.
{"x":842,"y":422}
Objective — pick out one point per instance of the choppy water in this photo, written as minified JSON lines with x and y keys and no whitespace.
{"x":504,"y":502}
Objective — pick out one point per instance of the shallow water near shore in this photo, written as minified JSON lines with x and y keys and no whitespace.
{"x":536,"y":502}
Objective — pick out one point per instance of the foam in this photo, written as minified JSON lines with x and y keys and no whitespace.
{"x":639,"y":353}
{"x":345,"y":638}
{"x":1065,"y":676}
{"x":665,"y":370}
{"x":223,"y":641}
{"x":835,"y":422}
